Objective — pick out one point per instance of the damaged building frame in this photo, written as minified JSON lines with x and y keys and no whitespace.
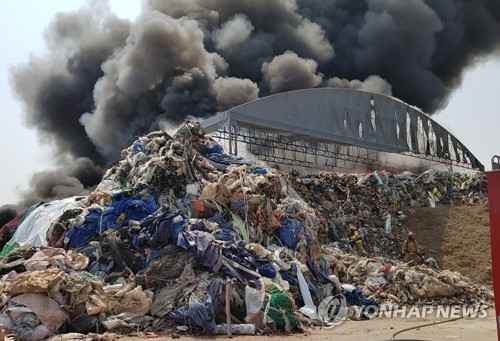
{"x":336,"y":128}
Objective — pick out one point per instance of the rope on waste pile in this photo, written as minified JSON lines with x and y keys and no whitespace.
{"x":431,"y":324}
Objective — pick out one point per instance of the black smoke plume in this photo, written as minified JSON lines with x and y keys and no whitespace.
{"x":106,"y":80}
{"x":7,"y":213}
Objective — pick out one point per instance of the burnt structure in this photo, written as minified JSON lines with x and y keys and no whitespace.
{"x":338,"y":128}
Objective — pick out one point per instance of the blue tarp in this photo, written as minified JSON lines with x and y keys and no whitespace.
{"x":357,"y":298}
{"x":114,"y":216}
{"x":159,"y":228}
{"x":199,"y":312}
{"x":289,"y":232}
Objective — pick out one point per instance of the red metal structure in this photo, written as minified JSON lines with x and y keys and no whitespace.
{"x":494,"y":208}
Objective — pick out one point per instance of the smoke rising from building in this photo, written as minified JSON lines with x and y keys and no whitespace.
{"x":106,"y":80}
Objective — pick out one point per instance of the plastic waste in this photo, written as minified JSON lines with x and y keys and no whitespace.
{"x":236,"y":329}
{"x":309,"y":309}
{"x":254,"y":298}
{"x":388,"y":224}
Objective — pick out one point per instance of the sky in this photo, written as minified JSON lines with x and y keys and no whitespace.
{"x":472,"y":114}
{"x":22,"y":25}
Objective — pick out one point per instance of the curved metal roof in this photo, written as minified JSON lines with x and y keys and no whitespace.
{"x":351,"y":117}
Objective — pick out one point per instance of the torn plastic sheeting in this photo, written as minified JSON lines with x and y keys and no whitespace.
{"x":132,"y":208}
{"x":33,"y":230}
{"x":207,"y":250}
{"x":158,"y":228}
{"x":236,"y":329}
{"x":64,"y":288}
{"x":11,"y":226}
{"x":222,"y":161}
{"x":238,"y":253}
{"x":47,"y":310}
{"x":135,"y":301}
{"x":215,"y":149}
{"x":101,"y":267}
{"x":119,"y":212}
{"x":79,"y":236}
{"x":241,"y":227}
{"x":166,"y":298}
{"x":289,"y":232}
{"x":354,"y":296}
{"x":266,"y":268}
{"x":23,"y":322}
{"x":44,"y":258}
{"x":199,"y":312}
{"x":309,"y":309}
{"x":225,"y":231}
{"x":126,"y":321}
{"x":320,"y":270}
{"x":254,"y":298}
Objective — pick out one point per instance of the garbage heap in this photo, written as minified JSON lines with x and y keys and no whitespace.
{"x":374,"y":202}
{"x":180,"y":234}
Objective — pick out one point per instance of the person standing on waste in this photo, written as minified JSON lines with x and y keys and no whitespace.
{"x":356,"y":241}
{"x":410,"y":249}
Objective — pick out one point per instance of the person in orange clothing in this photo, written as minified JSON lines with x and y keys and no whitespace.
{"x":357,"y":241}
{"x":410,"y":249}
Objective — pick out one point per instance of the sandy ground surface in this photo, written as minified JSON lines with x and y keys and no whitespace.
{"x":458,"y":237}
{"x":380,"y":329}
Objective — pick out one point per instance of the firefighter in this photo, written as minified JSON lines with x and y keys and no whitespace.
{"x":356,"y":241}
{"x":410,"y":249}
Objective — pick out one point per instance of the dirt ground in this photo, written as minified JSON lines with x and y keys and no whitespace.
{"x":380,"y":329}
{"x":457,"y":237}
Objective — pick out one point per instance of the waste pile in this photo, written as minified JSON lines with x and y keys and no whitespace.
{"x":374,"y":201}
{"x":389,"y":281}
{"x":180,"y":234}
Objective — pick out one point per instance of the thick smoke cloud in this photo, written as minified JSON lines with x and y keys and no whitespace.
{"x":107,"y":80}
{"x":290,"y":72}
{"x":76,"y":179}
{"x":371,"y":84}
{"x":7,"y":213}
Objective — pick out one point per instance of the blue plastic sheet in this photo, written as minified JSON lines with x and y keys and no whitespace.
{"x":222,"y":161}
{"x":215,"y":149}
{"x":79,"y":236}
{"x":259,"y":171}
{"x":139,"y":147}
{"x":203,"y":243}
{"x":289,"y":232}
{"x":266,"y":268}
{"x":101,"y":267}
{"x":119,"y":213}
{"x":159,"y":228}
{"x":114,"y":216}
{"x":199,"y":312}
{"x":357,"y":298}
{"x":289,"y":278}
{"x":238,"y":253}
{"x":225,"y":231}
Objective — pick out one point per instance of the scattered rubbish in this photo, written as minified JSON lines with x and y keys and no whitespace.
{"x":179,"y":236}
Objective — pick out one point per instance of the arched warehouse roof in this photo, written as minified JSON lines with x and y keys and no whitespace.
{"x":348,"y":117}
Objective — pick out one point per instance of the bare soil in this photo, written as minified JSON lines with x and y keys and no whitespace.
{"x":377,"y":329}
{"x":458,"y":237}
